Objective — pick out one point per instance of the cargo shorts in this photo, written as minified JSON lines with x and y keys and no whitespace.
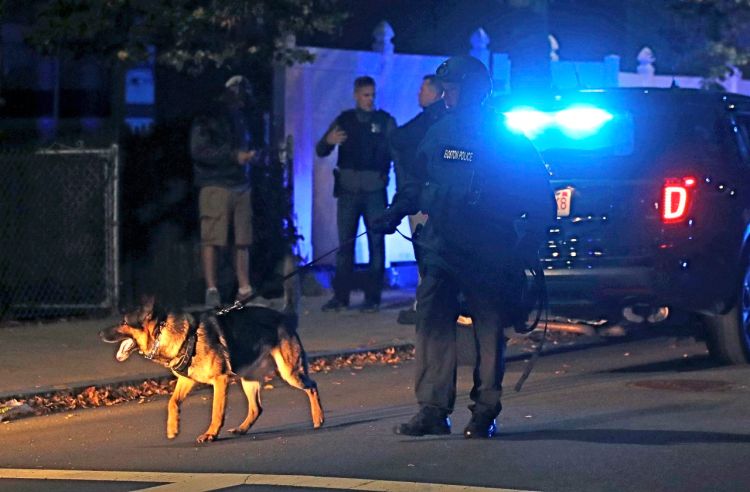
{"x":221,"y":208}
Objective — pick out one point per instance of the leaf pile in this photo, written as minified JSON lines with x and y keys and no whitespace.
{"x":96,"y":396}
{"x":389,"y":356}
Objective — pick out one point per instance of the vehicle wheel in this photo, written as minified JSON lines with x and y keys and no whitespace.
{"x":728,"y":335}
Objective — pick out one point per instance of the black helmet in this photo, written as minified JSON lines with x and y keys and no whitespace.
{"x":470,"y":73}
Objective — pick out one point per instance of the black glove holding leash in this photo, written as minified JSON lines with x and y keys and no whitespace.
{"x":387,"y":222}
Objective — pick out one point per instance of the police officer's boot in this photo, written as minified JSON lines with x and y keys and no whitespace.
{"x":481,"y":426}
{"x":429,"y":420}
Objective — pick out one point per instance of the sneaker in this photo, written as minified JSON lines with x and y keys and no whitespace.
{"x":370,"y":307}
{"x":480,"y":426}
{"x":429,"y":420}
{"x":213,"y":299}
{"x":244,"y":296}
{"x":407,"y":317}
{"x":333,"y":305}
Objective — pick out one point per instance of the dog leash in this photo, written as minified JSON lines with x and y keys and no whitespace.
{"x":241,"y":304}
{"x":543,"y":306}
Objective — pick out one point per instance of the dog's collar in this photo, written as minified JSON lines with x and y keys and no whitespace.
{"x":157,"y":342}
{"x":180,"y":364}
{"x":231,"y":307}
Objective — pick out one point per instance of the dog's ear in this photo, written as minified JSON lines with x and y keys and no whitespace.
{"x":147,"y":302}
{"x":132,"y":319}
{"x":147,"y":308}
{"x":132,"y":316}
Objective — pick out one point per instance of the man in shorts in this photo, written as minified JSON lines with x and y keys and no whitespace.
{"x":220,"y":148}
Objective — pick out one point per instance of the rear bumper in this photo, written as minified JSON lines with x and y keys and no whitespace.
{"x":604,"y":292}
{"x":600,"y":291}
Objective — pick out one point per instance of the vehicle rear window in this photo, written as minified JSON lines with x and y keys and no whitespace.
{"x":626,"y":144}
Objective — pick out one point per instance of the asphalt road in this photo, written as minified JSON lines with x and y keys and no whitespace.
{"x":652,"y":414}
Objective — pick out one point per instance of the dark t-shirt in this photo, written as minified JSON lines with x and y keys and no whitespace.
{"x":215,"y":140}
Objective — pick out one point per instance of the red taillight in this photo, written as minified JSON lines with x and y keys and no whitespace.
{"x":675,"y":199}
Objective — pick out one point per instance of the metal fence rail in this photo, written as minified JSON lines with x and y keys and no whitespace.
{"x":58,"y":232}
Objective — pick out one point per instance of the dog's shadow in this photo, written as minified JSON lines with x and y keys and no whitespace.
{"x":290,"y":430}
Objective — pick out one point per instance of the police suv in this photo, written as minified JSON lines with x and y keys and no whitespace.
{"x":653,"y":206}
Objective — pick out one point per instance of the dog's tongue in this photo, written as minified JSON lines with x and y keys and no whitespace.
{"x":126,"y":347}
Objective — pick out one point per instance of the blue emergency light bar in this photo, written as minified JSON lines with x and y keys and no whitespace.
{"x":574,"y":122}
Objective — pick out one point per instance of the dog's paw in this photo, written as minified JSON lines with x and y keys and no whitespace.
{"x":318,"y":424}
{"x":206,"y":438}
{"x":238,"y":431}
{"x":171,"y":435}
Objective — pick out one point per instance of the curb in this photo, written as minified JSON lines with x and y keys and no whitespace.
{"x":78,"y":387}
{"x":139,"y":379}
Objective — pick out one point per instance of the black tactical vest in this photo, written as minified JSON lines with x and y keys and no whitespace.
{"x":366,"y":146}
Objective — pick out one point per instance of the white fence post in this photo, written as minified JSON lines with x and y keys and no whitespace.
{"x":554,"y":47}
{"x":382,"y":38}
{"x":645,"y":68}
{"x":480,"y":41}
{"x":732,"y":81}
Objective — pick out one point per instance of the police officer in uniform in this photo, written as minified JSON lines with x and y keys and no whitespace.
{"x":360,"y":181}
{"x":487,"y":194}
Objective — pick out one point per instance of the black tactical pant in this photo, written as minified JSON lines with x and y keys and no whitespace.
{"x":437,"y":310}
{"x":349,"y":208}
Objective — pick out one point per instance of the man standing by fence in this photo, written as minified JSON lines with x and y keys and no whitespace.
{"x":220,"y":150}
{"x":360,"y":180}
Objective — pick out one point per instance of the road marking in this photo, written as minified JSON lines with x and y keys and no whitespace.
{"x":204,"y":482}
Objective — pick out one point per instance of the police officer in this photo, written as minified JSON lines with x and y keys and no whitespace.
{"x":486,"y":192}
{"x":405,"y":141}
{"x":360,"y":180}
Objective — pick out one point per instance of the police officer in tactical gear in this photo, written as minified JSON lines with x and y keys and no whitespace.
{"x":360,"y":180}
{"x":487,"y":194}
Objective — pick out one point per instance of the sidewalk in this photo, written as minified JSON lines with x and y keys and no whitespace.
{"x":43,"y":357}
{"x":68,"y":355}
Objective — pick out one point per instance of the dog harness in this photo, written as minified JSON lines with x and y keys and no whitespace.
{"x":180,"y":364}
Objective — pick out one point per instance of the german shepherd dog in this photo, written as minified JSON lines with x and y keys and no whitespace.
{"x":214,"y":347}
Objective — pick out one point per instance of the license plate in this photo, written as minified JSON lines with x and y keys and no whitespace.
{"x":563,"y":198}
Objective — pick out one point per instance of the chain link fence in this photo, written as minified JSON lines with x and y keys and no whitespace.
{"x":58,"y":234}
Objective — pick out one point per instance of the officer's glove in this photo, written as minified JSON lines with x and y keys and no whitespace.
{"x":387,"y":222}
